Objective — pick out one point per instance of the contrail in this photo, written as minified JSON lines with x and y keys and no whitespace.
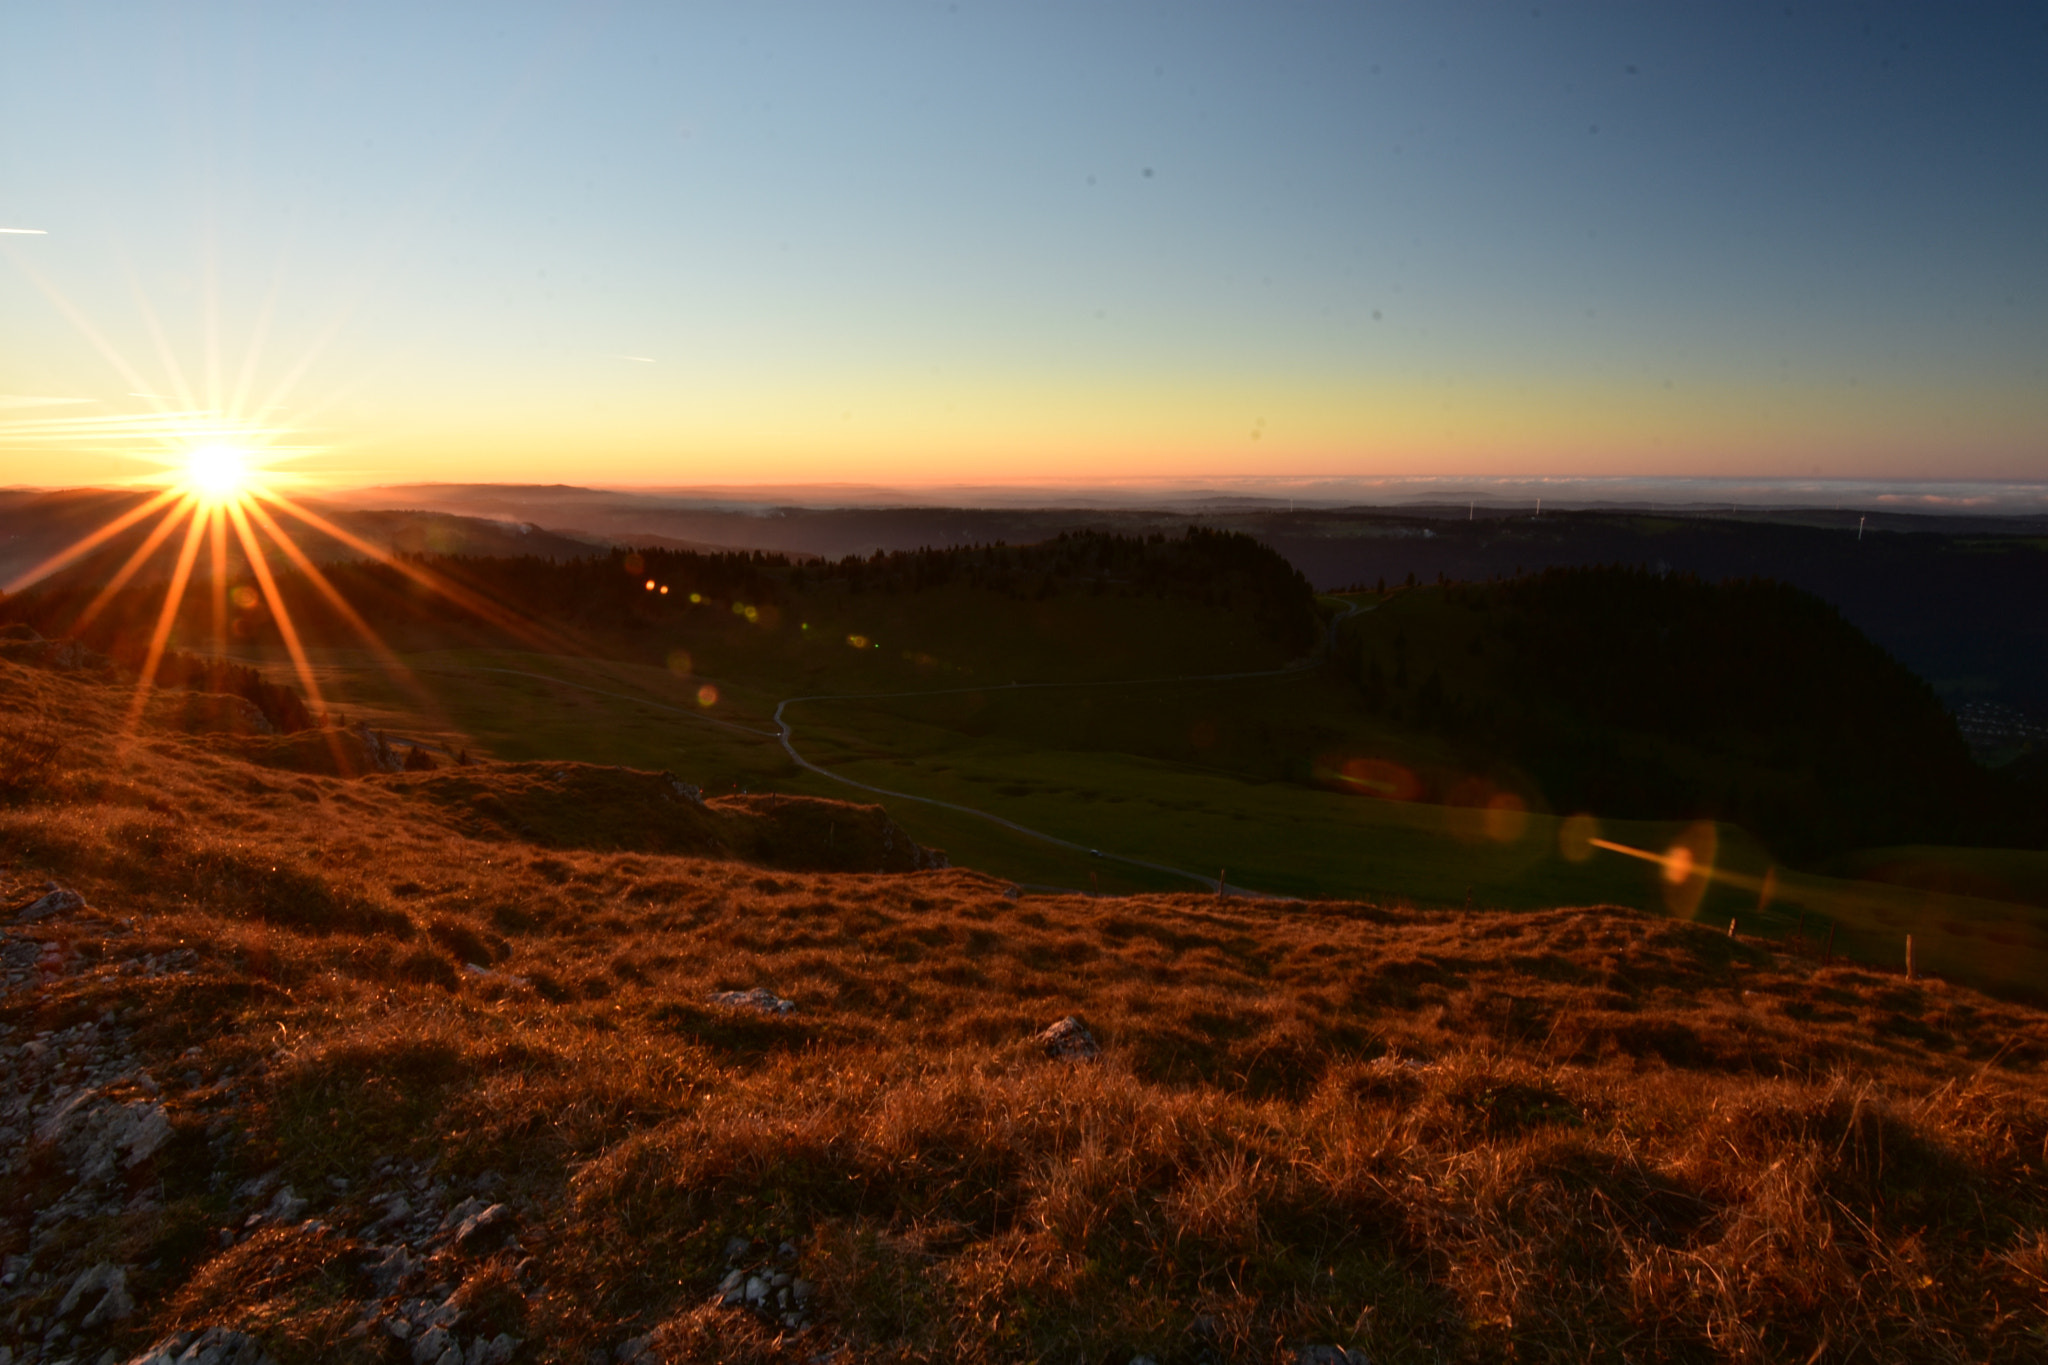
{"x":643,"y":359}
{"x":26,"y":232}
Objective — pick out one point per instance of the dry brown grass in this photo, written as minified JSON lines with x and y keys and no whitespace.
{"x":1570,"y":1135}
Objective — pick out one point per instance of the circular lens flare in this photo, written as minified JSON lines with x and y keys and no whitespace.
{"x":217,"y":473}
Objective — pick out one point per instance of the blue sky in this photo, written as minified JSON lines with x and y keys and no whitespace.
{"x":903,"y":241}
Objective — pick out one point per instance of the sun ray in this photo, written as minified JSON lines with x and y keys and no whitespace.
{"x":237,"y":403}
{"x":268,"y":584}
{"x":216,"y":530}
{"x":325,"y":586}
{"x":174,"y":596}
{"x":164,"y":352}
{"x":455,"y":592}
{"x":91,"y":542}
{"x":143,"y":552}
{"x":83,"y":324}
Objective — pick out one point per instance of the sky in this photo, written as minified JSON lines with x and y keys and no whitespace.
{"x":672,"y":245}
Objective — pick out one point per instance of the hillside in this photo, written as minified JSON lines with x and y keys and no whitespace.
{"x":1961,"y":598}
{"x":330,"y":1068}
{"x":1133,"y":714}
{"x":1637,"y":693}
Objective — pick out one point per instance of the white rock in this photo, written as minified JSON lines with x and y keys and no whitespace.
{"x":760,"y":999}
{"x":97,"y":1135}
{"x":58,"y":902}
{"x":116,"y":1303}
{"x":429,"y":1346}
{"x":286,"y":1205}
{"x":1070,"y":1041}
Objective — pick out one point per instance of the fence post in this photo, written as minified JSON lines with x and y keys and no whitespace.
{"x":1909,"y":957}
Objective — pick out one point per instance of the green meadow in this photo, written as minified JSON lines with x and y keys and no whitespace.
{"x":1077,"y":734}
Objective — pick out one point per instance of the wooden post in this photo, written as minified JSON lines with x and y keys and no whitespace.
{"x":1909,"y":957}
{"x":1731,"y":927}
{"x":1222,"y":884}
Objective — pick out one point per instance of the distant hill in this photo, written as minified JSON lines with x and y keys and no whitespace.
{"x":1638,"y":693}
{"x":1961,"y":599}
{"x":498,"y":599}
{"x":36,"y":526}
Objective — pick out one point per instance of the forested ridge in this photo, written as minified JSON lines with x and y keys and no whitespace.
{"x":609,"y":593}
{"x":1633,"y":692}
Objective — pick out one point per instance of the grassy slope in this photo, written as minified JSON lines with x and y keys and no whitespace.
{"x":1199,"y":776}
{"x":1551,"y":1135}
{"x":1075,"y":763}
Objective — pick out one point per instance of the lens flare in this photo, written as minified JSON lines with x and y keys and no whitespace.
{"x":1577,"y":836}
{"x":218,"y":473}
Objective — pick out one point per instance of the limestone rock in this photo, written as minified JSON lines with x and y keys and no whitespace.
{"x":106,"y":1285}
{"x":760,"y":999}
{"x":484,"y":1229}
{"x":98,"y":1135}
{"x":1070,"y":1041}
{"x":62,"y":901}
{"x":214,"y":1346}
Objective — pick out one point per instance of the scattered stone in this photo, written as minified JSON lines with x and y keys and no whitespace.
{"x":760,"y":999}
{"x":462,"y":1211}
{"x":95,"y":1135}
{"x":1070,"y":1041}
{"x":59,"y":902}
{"x":483,"y":1230}
{"x":736,"y":1248}
{"x":1330,"y":1355}
{"x":257,"y":1186}
{"x":495,"y":1350}
{"x":286,"y":1205}
{"x":391,"y":1270}
{"x":214,"y":1346}
{"x":429,"y":1346}
{"x":106,"y":1285}
{"x":483,"y":973}
{"x":631,"y":1349}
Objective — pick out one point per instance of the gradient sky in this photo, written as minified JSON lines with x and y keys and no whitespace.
{"x":893,"y":242}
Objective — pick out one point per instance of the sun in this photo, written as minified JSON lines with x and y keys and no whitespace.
{"x":218,"y":473}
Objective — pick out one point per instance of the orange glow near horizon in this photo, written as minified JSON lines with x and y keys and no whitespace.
{"x":220,"y":491}
{"x":217,"y":474}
